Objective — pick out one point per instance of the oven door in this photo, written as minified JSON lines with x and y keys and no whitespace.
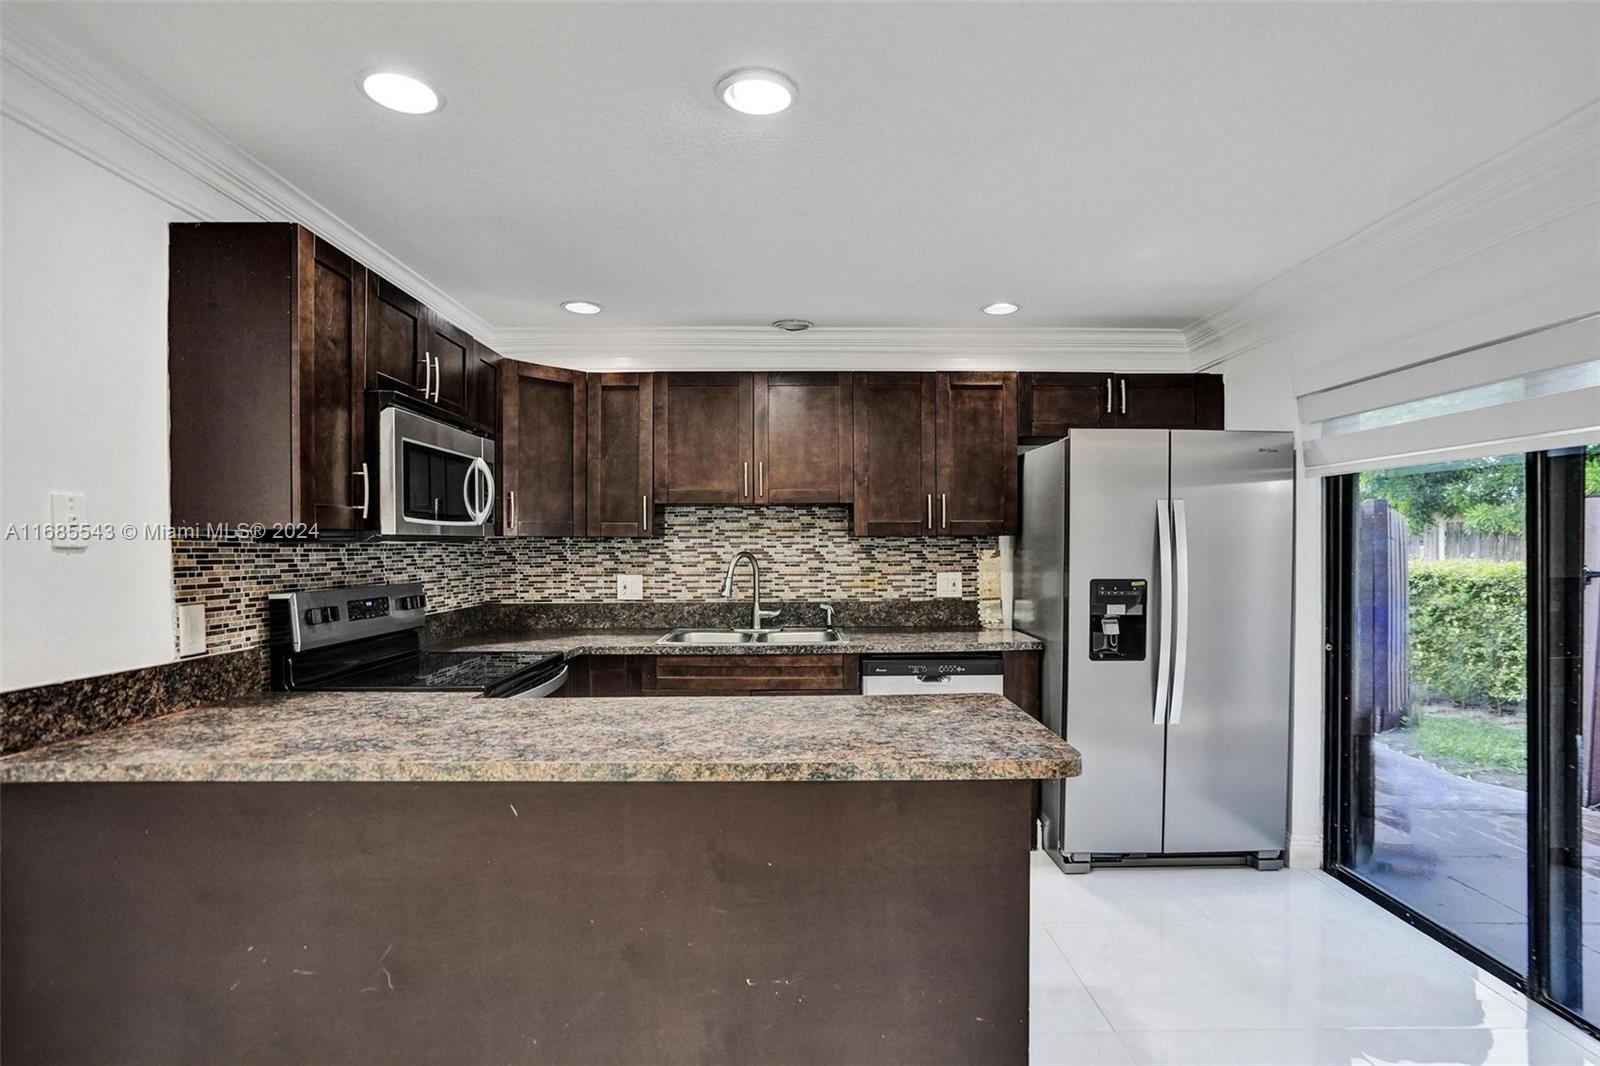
{"x":436,"y":480}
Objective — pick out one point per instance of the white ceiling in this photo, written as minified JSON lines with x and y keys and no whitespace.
{"x":1100,"y":164}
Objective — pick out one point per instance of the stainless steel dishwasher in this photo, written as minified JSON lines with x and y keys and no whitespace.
{"x":929,"y":674}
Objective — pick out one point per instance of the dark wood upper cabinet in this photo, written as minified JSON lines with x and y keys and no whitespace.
{"x":397,"y":334}
{"x":894,"y":454}
{"x":483,"y":386}
{"x":1051,"y":405}
{"x":804,"y":437}
{"x":620,"y":499}
{"x":704,"y":438}
{"x":1169,"y":401}
{"x":976,"y":444}
{"x":266,"y":361}
{"x":450,"y":349}
{"x":543,"y":445}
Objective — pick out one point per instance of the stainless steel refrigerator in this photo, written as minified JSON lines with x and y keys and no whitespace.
{"x":1157,"y":569}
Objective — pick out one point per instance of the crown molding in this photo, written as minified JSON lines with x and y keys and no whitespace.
{"x":91,"y":105}
{"x":1536,"y":182}
{"x":833,"y":348}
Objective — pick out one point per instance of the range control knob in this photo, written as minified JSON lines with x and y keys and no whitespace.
{"x":413,"y":603}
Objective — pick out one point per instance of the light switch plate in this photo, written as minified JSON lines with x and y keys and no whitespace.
{"x":191,"y":629}
{"x":69,"y":509}
{"x":949,"y":585}
{"x":630,"y":586}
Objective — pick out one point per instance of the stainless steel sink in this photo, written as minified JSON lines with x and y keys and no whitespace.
{"x":826,"y":635}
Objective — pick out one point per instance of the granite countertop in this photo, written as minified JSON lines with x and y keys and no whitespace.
{"x":394,"y":736}
{"x":643,"y":642}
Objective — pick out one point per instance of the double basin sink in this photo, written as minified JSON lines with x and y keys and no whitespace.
{"x":825,"y":635}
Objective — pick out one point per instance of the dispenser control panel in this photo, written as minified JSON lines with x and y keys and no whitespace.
{"x":1117,"y":619}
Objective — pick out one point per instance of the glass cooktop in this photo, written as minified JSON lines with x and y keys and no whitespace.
{"x":452,"y":671}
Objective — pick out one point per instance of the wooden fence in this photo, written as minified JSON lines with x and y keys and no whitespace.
{"x":1452,"y":539}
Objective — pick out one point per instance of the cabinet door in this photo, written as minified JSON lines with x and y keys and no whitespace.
{"x":894,"y":454}
{"x":704,"y":438}
{"x":1158,"y":401}
{"x":483,"y":386}
{"x":332,"y":476}
{"x":397,"y":328}
{"x":544,"y":420}
{"x":620,"y":501}
{"x":451,"y":351}
{"x":803,"y":438}
{"x":977,"y":453}
{"x":1054,"y":404}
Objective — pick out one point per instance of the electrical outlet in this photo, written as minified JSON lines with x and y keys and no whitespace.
{"x":191,"y":629}
{"x":948,"y":585}
{"x":630,"y":586}
{"x":69,"y":509}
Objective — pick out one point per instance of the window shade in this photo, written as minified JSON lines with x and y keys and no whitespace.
{"x":1534,"y":391}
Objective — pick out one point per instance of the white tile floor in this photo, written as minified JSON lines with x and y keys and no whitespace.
{"x":1232,"y":966}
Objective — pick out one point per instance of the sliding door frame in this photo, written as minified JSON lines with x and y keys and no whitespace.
{"x":1554,"y":708}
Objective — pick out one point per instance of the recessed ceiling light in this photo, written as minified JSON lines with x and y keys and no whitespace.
{"x":401,"y":92}
{"x":757,"y":92}
{"x":1001,"y":308}
{"x":581,"y":307}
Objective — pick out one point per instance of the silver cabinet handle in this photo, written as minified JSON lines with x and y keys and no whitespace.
{"x":1124,"y":385}
{"x":427,"y":375}
{"x":944,"y":512}
{"x":761,"y":478}
{"x":438,"y":379}
{"x":930,"y":511}
{"x":747,"y":478}
{"x":644,"y":512}
{"x":1180,"y":621}
{"x":511,"y":511}
{"x":1164,"y":647}
{"x":1108,"y":395}
{"x":366,"y":489}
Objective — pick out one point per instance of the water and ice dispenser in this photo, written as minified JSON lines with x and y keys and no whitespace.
{"x":1117,"y":619}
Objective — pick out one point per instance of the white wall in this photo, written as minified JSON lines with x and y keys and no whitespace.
{"x":1532,"y":274}
{"x":83,"y":407}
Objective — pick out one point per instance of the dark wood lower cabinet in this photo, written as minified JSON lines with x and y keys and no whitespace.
{"x":745,"y":675}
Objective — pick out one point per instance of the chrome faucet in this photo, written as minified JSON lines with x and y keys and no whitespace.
{"x":757,"y":615}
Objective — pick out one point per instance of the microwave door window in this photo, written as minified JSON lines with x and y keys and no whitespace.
{"x":418,"y":482}
{"x":435,"y":484}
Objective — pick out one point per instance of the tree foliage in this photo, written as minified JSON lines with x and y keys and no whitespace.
{"x":1486,"y":494}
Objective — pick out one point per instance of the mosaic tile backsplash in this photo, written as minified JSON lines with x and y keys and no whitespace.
{"x":806,"y":554}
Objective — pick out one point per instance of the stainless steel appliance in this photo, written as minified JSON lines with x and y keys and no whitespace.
{"x":900,"y":674}
{"x":369,"y":638}
{"x":1157,"y":569}
{"x":435,"y":479}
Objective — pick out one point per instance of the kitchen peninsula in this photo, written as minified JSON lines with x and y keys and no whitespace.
{"x":415,"y":877}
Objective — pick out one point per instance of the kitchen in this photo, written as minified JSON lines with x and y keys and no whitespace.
{"x":908,"y":672}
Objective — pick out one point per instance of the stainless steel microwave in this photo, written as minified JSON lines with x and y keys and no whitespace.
{"x":434,"y":479}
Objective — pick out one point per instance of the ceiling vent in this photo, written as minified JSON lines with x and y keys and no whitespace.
{"x":793,"y":325}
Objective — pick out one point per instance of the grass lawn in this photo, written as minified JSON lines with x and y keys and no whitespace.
{"x":1471,"y":742}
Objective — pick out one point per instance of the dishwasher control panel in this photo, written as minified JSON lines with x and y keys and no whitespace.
{"x":925,"y":673}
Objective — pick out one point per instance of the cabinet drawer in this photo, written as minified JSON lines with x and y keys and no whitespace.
{"x":738,"y":675}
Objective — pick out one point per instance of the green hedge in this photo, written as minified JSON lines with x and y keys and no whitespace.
{"x":1469,"y":629}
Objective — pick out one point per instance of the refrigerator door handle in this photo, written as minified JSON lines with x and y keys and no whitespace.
{"x":1180,"y":621}
{"x":1164,"y":645}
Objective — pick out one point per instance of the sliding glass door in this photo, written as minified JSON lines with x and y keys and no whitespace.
{"x":1462,"y":701}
